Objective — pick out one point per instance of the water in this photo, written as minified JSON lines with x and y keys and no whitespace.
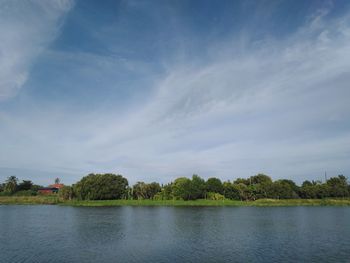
{"x":172,"y":234}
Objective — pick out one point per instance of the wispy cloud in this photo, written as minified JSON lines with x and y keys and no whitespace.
{"x":280,"y":106}
{"x":26,"y":29}
{"x":275,"y":108}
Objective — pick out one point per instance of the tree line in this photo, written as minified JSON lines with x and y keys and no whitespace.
{"x":110,"y":186}
{"x":12,"y":186}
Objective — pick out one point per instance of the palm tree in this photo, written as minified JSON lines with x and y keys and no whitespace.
{"x":11,"y":184}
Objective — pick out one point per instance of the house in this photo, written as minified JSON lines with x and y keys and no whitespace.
{"x":58,"y":186}
{"x":51,"y":189}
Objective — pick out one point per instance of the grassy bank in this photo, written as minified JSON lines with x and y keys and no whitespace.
{"x":28,"y":200}
{"x":51,"y":200}
{"x":261,"y":202}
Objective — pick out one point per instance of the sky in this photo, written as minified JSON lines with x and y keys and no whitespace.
{"x":155,"y":90}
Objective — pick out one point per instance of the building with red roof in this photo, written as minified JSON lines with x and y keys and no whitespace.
{"x":51,"y":189}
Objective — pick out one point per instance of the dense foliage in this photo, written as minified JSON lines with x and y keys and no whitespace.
{"x":66,"y":193}
{"x":12,"y":187}
{"x":253,"y":188}
{"x":142,"y":190}
{"x":111,"y":186}
{"x":101,"y":187}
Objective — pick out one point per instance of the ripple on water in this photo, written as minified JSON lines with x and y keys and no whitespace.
{"x":174,"y":234}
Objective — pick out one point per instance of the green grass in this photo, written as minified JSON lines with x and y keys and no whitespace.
{"x":29,"y":200}
{"x":303,"y":202}
{"x":261,"y":202}
{"x":50,"y":200}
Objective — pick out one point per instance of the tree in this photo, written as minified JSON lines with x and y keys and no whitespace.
{"x":338,"y":186}
{"x":25,"y":185}
{"x":198,"y":187}
{"x":242,"y":191}
{"x":307,"y":190}
{"x":187,"y":189}
{"x":242,"y":181}
{"x":181,"y":188}
{"x":142,"y":190}
{"x":260,"y":185}
{"x":313,"y":189}
{"x":166,"y":192}
{"x":214,"y":185}
{"x":101,"y":187}
{"x":260,"y":179}
{"x":66,"y":193}
{"x":11,"y":184}
{"x":230,"y":191}
{"x":153,"y":189}
{"x":322,"y":190}
{"x":139,"y":190}
{"x":306,"y":183}
{"x":284,"y":189}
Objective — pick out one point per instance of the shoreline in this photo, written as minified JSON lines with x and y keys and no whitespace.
{"x":53,"y":200}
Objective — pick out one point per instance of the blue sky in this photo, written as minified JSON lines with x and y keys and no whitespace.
{"x":160,"y":89}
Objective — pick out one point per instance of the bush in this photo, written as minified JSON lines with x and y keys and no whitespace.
{"x":215,"y":196}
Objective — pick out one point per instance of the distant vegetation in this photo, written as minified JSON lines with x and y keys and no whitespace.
{"x":12,"y":187}
{"x":116,"y":187}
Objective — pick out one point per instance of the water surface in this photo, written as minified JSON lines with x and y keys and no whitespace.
{"x":174,"y":234}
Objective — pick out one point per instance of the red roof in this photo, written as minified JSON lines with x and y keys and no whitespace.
{"x":57,"y":186}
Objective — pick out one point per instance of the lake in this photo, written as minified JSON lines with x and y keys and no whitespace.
{"x":174,"y":234}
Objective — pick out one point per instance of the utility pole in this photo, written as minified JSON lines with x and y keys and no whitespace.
{"x":325,"y":176}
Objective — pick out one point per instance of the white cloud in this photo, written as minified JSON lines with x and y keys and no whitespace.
{"x":281,"y":107}
{"x":26,"y":28}
{"x":270,"y":109}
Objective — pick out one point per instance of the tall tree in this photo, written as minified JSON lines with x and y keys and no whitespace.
{"x":242,"y":181}
{"x":260,"y":179}
{"x":153,"y":189}
{"x":142,"y":190}
{"x":284,"y":189}
{"x":181,"y":188}
{"x":338,"y":186}
{"x":230,"y":191}
{"x":139,"y":190}
{"x":11,"y":184}
{"x":260,"y":185}
{"x":198,"y":187}
{"x":167,"y":192}
{"x":214,"y":185}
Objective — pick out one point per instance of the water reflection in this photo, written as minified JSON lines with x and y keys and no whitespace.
{"x":174,"y":234}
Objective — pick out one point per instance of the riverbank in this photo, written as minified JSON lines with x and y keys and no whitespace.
{"x":53,"y":200}
{"x":29,"y":200}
